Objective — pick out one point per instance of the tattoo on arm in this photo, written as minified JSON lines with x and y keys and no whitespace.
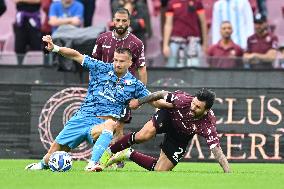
{"x":221,"y":158}
{"x":152,"y":97}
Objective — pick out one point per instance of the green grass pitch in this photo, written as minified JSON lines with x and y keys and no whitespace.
{"x":185,"y":175}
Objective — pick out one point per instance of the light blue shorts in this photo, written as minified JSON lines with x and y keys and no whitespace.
{"x":77,"y":130}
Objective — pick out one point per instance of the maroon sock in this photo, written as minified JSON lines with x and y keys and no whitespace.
{"x":143,"y":160}
{"x":123,"y":143}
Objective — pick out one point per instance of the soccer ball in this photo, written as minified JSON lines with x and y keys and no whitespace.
{"x":60,"y":161}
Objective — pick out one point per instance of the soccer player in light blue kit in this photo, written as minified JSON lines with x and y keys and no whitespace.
{"x":111,"y":87}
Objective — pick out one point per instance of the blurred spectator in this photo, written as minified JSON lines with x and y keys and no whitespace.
{"x":225,"y":54}
{"x":142,"y":9}
{"x":279,"y":62}
{"x":2,"y":7}
{"x":66,"y":12}
{"x":262,"y":45}
{"x":27,"y":27}
{"x":121,"y":37}
{"x":137,"y":21}
{"x":89,"y":10}
{"x":185,"y":28}
{"x":45,"y":28}
{"x":239,"y":13}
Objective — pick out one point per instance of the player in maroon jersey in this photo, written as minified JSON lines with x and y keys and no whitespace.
{"x":180,"y":117}
{"x":120,"y":37}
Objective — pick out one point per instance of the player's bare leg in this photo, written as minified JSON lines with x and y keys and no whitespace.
{"x":163,"y":163}
{"x":102,"y":134}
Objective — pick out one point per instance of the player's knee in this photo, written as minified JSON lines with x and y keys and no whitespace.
{"x":96,"y":133}
{"x":54,"y":147}
{"x":144,"y":135}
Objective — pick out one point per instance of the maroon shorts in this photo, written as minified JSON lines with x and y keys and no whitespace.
{"x":174,"y":143}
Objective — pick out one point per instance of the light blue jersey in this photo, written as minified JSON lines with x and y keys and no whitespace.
{"x":108,"y":95}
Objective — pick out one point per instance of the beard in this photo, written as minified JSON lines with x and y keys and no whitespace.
{"x":121,"y":30}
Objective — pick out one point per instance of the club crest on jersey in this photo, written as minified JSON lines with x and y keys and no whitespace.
{"x":128,"y":82}
{"x":110,"y":73}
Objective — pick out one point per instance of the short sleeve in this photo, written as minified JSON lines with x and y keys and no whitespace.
{"x":170,"y":8}
{"x":94,"y":64}
{"x":140,"y":59}
{"x":199,"y":6}
{"x":141,"y":90}
{"x":210,"y":51}
{"x":179,"y":99}
{"x":52,"y":10}
{"x":97,"y":50}
{"x":274,"y":42}
{"x":79,"y":11}
{"x":211,"y":136}
{"x":248,"y":46}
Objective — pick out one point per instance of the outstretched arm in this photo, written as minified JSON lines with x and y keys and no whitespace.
{"x":64,"y":51}
{"x":153,"y":98}
{"x":221,"y":158}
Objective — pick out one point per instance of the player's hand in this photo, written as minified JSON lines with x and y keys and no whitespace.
{"x":166,"y":51}
{"x":49,"y":44}
{"x":134,"y":104}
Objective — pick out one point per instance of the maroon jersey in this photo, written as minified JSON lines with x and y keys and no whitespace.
{"x":107,"y":43}
{"x":220,"y":57}
{"x":183,"y":120}
{"x":185,"y":17}
{"x":257,"y":44}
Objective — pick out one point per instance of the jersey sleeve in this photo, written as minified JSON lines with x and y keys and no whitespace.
{"x":97,"y":50}
{"x":211,"y":136}
{"x":139,"y":61}
{"x":209,"y":131}
{"x":179,"y":99}
{"x":274,"y":42}
{"x":141,"y":90}
{"x":92,"y":64}
{"x":52,"y":10}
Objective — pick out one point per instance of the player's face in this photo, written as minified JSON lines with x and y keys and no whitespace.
{"x":226,"y":30}
{"x":122,"y":62}
{"x":121,"y":23}
{"x":197,"y":107}
{"x":67,"y":3}
{"x":260,"y":27}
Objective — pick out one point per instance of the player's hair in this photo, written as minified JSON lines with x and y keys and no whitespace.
{"x":206,"y":95}
{"x":122,"y":10}
{"x":121,"y":50}
{"x":226,"y":22}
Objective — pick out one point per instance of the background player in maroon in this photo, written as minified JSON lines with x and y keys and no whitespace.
{"x":181,"y":117}
{"x":120,"y":37}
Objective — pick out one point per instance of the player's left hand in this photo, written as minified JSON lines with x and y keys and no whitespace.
{"x":134,"y":104}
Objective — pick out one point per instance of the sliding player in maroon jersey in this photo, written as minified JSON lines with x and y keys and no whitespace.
{"x":180,"y":117}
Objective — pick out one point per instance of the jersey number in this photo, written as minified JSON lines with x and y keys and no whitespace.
{"x":177,"y":154}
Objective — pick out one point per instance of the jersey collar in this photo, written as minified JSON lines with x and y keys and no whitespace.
{"x":120,"y":39}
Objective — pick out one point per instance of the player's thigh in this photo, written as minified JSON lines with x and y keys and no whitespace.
{"x":97,"y":129}
{"x":174,"y":146}
{"x":163,"y":163}
{"x":75,"y":131}
{"x":146,"y":133}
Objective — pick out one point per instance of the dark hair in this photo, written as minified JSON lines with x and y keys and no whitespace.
{"x":121,"y":50}
{"x":207,"y":96}
{"x":226,"y":22}
{"x":122,"y":10}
